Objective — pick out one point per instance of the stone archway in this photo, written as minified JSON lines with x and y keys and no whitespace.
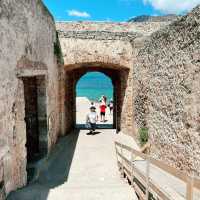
{"x":122,"y":93}
{"x":112,"y":56}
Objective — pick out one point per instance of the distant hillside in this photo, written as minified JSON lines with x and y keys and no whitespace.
{"x":147,"y":18}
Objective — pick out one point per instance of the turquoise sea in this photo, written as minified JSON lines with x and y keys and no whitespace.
{"x":93,"y":85}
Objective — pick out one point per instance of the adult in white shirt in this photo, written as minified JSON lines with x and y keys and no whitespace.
{"x":91,"y":119}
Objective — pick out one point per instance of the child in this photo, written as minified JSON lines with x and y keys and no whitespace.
{"x":91,"y":119}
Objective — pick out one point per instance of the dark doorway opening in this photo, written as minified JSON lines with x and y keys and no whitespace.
{"x":36,"y":120}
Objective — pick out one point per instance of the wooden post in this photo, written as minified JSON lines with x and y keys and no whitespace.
{"x":189,"y":192}
{"x":132,"y":173}
{"x":122,"y":161}
{"x":116,"y":153}
{"x":147,"y":177}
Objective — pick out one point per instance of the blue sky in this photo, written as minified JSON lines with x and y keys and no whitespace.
{"x":115,"y":10}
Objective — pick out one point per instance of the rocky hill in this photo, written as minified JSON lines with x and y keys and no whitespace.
{"x":147,"y":18}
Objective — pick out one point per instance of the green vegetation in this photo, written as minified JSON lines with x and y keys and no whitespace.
{"x":143,"y":136}
{"x":57,"y":50}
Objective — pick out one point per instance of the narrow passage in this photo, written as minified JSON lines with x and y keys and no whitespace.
{"x":82,"y":167}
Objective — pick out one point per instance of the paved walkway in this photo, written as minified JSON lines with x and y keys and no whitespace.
{"x":82,"y":167}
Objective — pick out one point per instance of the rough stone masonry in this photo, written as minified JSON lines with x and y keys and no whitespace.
{"x":27,"y":37}
{"x":169,"y":73}
{"x":154,"y":67}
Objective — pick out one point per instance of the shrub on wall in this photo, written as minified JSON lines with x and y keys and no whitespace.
{"x":143,"y":135}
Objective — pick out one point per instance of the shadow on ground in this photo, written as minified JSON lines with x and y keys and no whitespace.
{"x":94,"y":133}
{"x":98,"y":126}
{"x":54,"y":172}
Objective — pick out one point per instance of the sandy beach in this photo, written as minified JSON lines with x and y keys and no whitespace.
{"x":82,"y":109}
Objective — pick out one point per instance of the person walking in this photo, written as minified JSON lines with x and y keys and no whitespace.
{"x":103,"y":111}
{"x":111,"y":106}
{"x":91,"y":120}
{"x":103,"y":99}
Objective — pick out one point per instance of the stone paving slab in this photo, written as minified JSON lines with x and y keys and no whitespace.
{"x":82,"y":167}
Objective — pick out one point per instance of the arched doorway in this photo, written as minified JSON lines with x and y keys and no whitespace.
{"x":89,"y":89}
{"x":122,"y":93}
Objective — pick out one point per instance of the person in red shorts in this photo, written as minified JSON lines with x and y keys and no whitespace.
{"x":103,"y":111}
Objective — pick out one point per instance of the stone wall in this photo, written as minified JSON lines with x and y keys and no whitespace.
{"x":27,"y":37}
{"x":155,"y":75}
{"x":98,"y":51}
{"x":144,"y":28}
{"x":168,"y":98}
{"x":101,"y":46}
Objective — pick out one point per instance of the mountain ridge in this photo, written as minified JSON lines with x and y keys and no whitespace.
{"x":149,"y":18}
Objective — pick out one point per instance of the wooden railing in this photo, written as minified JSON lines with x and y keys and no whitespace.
{"x":146,"y":187}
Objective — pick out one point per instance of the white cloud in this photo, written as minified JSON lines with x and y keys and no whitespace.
{"x":76,"y":13}
{"x":173,"y":6}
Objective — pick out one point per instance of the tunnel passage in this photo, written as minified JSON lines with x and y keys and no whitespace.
{"x":121,"y":91}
